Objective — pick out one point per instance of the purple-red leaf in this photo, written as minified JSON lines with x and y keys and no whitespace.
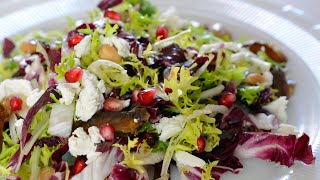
{"x":44,"y":100}
{"x":106,"y":4}
{"x":54,"y":58}
{"x":277,"y":148}
{"x":7,"y":47}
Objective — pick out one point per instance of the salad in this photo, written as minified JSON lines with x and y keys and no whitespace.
{"x":137,"y":94}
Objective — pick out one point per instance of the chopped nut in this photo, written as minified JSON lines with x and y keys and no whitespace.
{"x":28,"y":47}
{"x":255,"y":79}
{"x":108,"y":52}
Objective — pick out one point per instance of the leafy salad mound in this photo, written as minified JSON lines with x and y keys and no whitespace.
{"x":137,"y":94}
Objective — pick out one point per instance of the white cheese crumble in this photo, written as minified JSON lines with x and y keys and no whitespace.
{"x":187,"y":159}
{"x":34,"y":97}
{"x":80,"y":143}
{"x":278,"y":108}
{"x":83,"y":47}
{"x":68,"y":92}
{"x":263,"y":121}
{"x":120,"y":44}
{"x":61,"y":120}
{"x":169,"y":127}
{"x":90,"y":97}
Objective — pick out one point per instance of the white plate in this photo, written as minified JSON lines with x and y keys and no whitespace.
{"x":244,"y":19}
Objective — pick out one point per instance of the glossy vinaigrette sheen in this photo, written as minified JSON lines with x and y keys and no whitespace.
{"x":132,"y":92}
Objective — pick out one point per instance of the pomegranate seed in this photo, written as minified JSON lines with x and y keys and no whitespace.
{"x":112,"y":104}
{"x":79,"y":164}
{"x":162,"y":32}
{"x":227,"y":99}
{"x":73,"y":75}
{"x":107,"y":131}
{"x":16,"y":103}
{"x":112,"y":15}
{"x":168,"y":90}
{"x":201,"y":142}
{"x":147,"y":96}
{"x":74,"y":40}
{"x":135,"y":93}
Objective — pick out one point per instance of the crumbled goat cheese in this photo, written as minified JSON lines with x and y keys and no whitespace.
{"x":83,"y":47}
{"x":263,"y":121}
{"x":34,"y":97}
{"x":82,"y":144}
{"x":209,"y":48}
{"x":278,"y":108}
{"x":90,"y":97}
{"x":68,"y":92}
{"x":257,"y":64}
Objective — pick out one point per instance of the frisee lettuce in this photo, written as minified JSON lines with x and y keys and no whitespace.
{"x":161,"y":146}
{"x":8,"y":68}
{"x":146,"y":8}
{"x":147,"y":127}
{"x":65,"y":65}
{"x":87,"y":59}
{"x":146,"y":77}
{"x":180,"y":87}
{"x":207,"y":169}
{"x":129,"y":158}
{"x":249,"y":94}
{"x":110,"y":30}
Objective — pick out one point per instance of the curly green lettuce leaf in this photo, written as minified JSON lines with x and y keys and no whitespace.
{"x":183,"y":39}
{"x":207,"y":169}
{"x":129,"y":158}
{"x":34,"y":161}
{"x":225,"y":71}
{"x":65,"y":65}
{"x":180,"y":87}
{"x":147,"y":127}
{"x":8,"y":68}
{"x":249,"y":94}
{"x":8,"y":149}
{"x":203,"y":36}
{"x":264,"y":55}
{"x":161,"y":146}
{"x":187,"y":139}
{"x":45,"y":155}
{"x":210,"y":132}
{"x":145,"y":7}
{"x":110,"y":30}
{"x":87,"y":59}
{"x":146,"y":77}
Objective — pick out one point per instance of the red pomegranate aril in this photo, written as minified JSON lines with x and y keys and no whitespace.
{"x":227,"y":99}
{"x":74,"y":40}
{"x":201,"y":143}
{"x":162,"y":32}
{"x":112,"y":104}
{"x":16,"y":104}
{"x":145,"y":97}
{"x":135,"y":94}
{"x":73,"y":75}
{"x":107,"y":131}
{"x":168,"y":90}
{"x":112,"y":15}
{"x":79,"y":165}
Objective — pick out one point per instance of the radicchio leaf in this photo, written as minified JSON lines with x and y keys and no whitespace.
{"x":277,"y":148}
{"x":43,"y":100}
{"x":232,"y":131}
{"x":120,"y":172}
{"x":101,"y":168}
{"x":106,"y":4}
{"x":56,"y":157}
{"x":7,"y":47}
{"x":231,"y":164}
{"x":54,"y":58}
